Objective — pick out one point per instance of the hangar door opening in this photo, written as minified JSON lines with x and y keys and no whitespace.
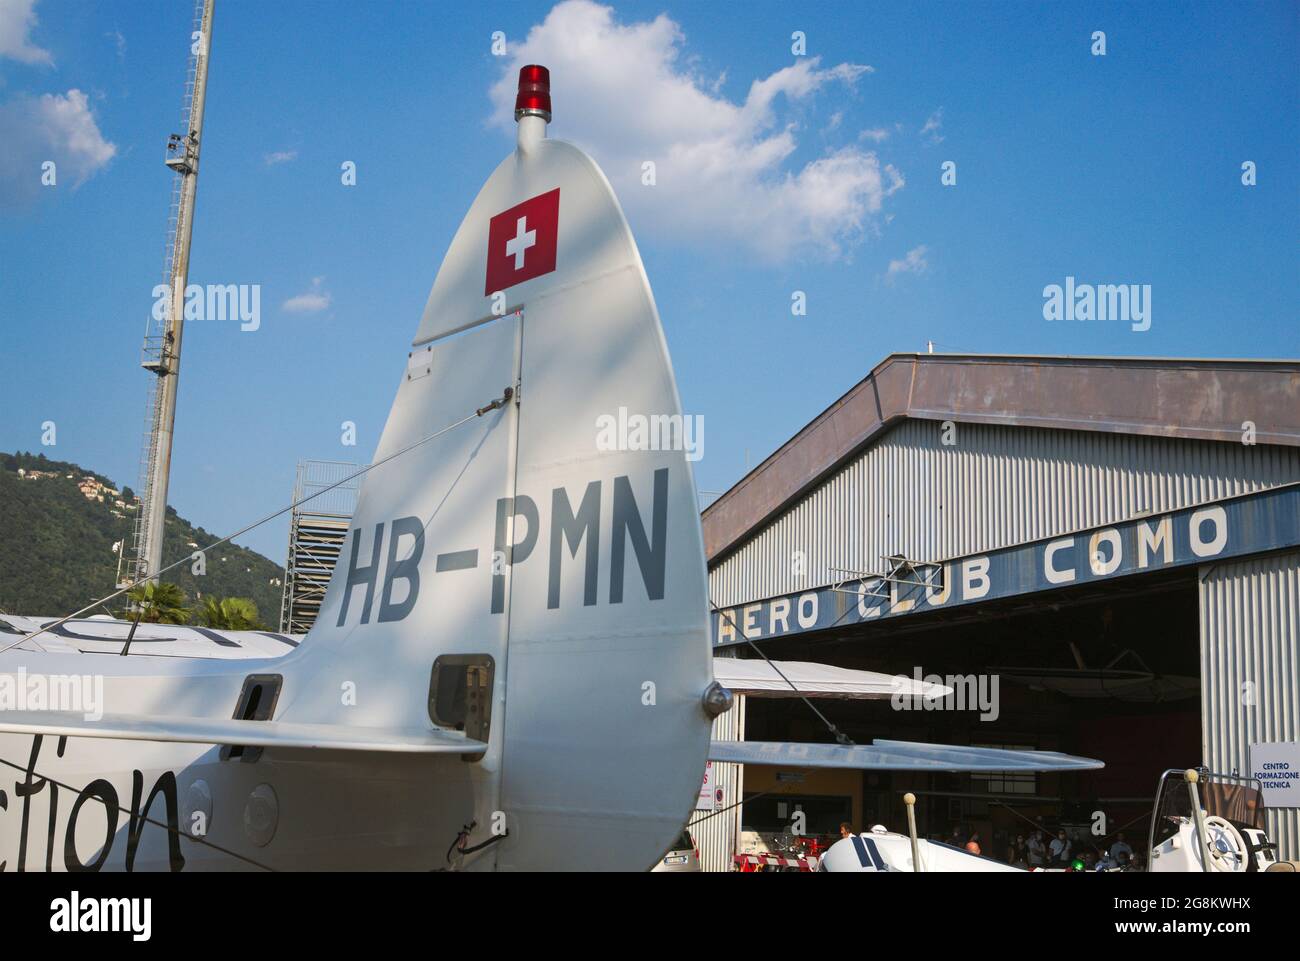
{"x":1110,"y":671}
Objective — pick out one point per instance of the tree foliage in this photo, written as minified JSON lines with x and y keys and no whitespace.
{"x":159,"y":603}
{"x":231,"y":614}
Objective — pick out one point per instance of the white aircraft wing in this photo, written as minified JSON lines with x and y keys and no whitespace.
{"x":755,"y":678}
{"x":104,"y":635}
{"x":895,"y":756}
{"x":275,"y":734}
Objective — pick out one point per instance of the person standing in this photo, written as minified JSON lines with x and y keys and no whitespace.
{"x":1120,"y":846}
{"x":1060,"y":848}
{"x":1036,"y":853}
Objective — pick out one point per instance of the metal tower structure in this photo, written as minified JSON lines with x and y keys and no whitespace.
{"x":161,"y":355}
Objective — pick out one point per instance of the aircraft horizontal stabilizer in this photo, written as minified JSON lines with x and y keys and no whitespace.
{"x":895,"y":756}
{"x":273,"y":734}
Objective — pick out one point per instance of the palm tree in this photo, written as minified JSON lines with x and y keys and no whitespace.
{"x":159,"y":603}
{"x":231,"y":613}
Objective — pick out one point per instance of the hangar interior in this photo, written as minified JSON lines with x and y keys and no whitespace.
{"x":935,"y":458}
{"x":1069,"y":670}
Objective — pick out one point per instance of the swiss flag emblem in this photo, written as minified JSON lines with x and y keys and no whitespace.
{"x":522,"y":242}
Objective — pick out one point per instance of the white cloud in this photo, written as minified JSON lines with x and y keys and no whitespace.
{"x":17,"y":18}
{"x":933,"y":124}
{"x":311,"y":302}
{"x":51,"y":127}
{"x":280,"y":156}
{"x":875,"y":135}
{"x":913,"y":263}
{"x":724,"y":169}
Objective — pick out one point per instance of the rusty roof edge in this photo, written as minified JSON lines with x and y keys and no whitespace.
{"x":1127,"y":360}
{"x":824,"y":415}
{"x":886,"y":418}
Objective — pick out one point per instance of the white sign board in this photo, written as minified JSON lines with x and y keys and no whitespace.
{"x":1277,"y":766}
{"x":705,"y":800}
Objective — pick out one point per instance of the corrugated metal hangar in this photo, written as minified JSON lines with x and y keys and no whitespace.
{"x":1103,"y":554}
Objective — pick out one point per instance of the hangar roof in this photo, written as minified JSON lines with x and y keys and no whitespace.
{"x":1205,"y":400}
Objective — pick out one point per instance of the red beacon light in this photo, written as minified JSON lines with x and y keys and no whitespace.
{"x":534,"y":97}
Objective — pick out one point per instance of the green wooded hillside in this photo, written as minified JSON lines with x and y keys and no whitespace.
{"x":56,"y":546}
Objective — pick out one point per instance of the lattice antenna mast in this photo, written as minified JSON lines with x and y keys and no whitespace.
{"x":162,"y":342}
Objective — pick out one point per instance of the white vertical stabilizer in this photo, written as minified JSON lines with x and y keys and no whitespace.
{"x":579,"y":570}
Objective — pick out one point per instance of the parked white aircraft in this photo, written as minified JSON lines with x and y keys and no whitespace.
{"x":1202,"y":822}
{"x":511,"y":668}
{"x":882,"y":850}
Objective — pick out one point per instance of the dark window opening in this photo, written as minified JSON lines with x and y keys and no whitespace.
{"x":460,"y":693}
{"x":256,"y":703}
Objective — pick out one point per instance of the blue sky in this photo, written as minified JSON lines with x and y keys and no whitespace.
{"x":777,"y":173}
